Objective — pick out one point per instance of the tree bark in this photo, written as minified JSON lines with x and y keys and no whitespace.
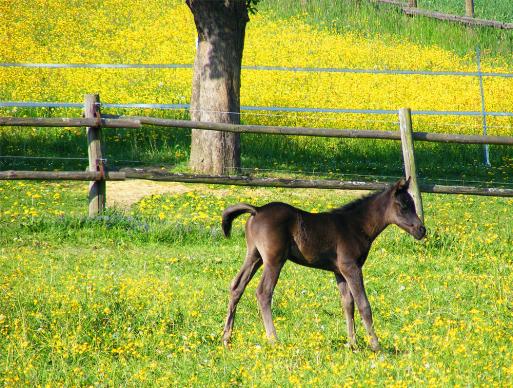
{"x":215,"y":97}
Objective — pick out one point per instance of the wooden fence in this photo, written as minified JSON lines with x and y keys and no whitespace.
{"x":410,"y":8}
{"x":98,"y":172}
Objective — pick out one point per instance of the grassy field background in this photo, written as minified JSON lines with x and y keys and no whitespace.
{"x":484,"y":9}
{"x":372,"y":19}
{"x":138,"y":296}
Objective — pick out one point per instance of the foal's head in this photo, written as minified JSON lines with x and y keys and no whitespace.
{"x":401,"y":210}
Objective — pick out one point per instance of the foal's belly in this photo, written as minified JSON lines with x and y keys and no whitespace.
{"x":322,"y":260}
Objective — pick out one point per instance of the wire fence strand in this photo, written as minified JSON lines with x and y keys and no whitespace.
{"x":257,"y":68}
{"x":32,"y":104}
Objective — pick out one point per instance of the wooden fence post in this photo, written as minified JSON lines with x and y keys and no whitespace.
{"x":97,"y":189}
{"x":469,"y":8}
{"x":409,"y":158}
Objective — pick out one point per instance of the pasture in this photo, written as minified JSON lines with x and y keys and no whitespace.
{"x":140,"y":295}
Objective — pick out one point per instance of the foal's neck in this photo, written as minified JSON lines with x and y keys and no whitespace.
{"x":374,"y":220}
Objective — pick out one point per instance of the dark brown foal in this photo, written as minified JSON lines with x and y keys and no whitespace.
{"x":338,"y":241}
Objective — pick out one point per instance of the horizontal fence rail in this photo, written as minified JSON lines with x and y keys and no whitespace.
{"x":306,"y":183}
{"x":63,"y":175}
{"x":138,"y":121}
{"x":240,"y":181}
{"x":252,"y":181}
{"x":410,"y":8}
{"x":323,"y":132}
{"x":68,"y":122}
{"x":459,"y":19}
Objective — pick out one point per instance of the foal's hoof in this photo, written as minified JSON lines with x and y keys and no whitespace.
{"x":226,"y":341}
{"x":375,"y":346}
{"x":272,"y":340}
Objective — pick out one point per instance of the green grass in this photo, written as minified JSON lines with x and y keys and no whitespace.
{"x":370,"y":19}
{"x":129,"y":299}
{"x":484,"y":9}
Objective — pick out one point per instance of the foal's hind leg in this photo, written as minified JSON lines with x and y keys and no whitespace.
{"x":348,"y":304}
{"x":265,"y":291}
{"x":239,"y":283}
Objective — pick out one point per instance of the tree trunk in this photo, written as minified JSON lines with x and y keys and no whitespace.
{"x":215,"y":97}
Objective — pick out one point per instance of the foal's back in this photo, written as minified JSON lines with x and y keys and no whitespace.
{"x":279,"y":229}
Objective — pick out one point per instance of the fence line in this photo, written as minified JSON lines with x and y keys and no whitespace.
{"x":242,"y":181}
{"x":309,"y":183}
{"x":30,"y":104}
{"x":98,"y":172}
{"x":459,"y":19}
{"x":369,"y":177}
{"x":410,"y":8}
{"x":258,"y":68}
{"x":244,"y":170}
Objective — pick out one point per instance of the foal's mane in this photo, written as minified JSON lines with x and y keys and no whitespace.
{"x":358,"y":203}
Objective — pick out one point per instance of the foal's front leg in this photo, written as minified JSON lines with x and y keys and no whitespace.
{"x":354,"y":277}
{"x":348,"y":304}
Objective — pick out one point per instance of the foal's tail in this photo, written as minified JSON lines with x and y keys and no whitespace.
{"x":233,"y":212}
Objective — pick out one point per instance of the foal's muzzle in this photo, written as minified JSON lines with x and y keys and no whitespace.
{"x":420,"y":232}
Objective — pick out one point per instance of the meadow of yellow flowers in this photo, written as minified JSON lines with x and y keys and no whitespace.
{"x":160,"y":32}
{"x":137,"y":297}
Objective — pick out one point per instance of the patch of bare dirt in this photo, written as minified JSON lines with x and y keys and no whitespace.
{"x":123,"y":194}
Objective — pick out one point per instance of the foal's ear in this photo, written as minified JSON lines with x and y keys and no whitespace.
{"x":402,"y":185}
